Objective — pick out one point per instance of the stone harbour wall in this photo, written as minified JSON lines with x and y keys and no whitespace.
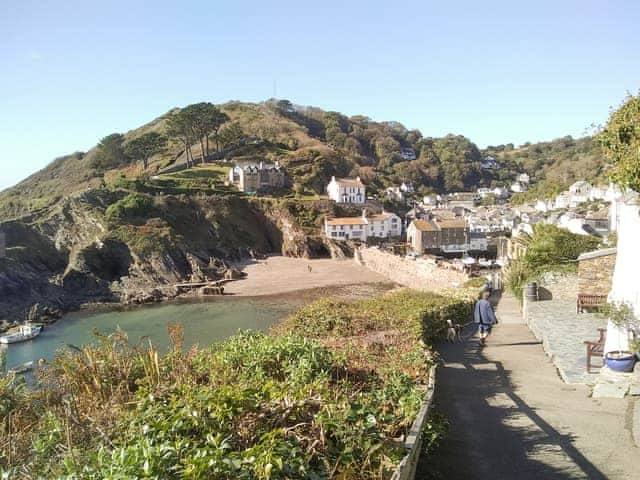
{"x":419,"y":274}
{"x":595,"y":275}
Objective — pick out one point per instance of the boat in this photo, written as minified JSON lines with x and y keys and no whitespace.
{"x":25,"y":367}
{"x":25,"y":332}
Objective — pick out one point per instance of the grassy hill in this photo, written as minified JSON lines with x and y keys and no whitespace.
{"x":314,"y":145}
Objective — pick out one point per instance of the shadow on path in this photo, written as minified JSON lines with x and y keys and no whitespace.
{"x":493,"y":432}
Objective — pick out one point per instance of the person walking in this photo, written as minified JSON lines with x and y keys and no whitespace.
{"x":484,"y":316}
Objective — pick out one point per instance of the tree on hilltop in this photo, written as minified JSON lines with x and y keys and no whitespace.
{"x":145,"y":146}
{"x":110,"y":152}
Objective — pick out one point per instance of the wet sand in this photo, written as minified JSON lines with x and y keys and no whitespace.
{"x":276,"y":275}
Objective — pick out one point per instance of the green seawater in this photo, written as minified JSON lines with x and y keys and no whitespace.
{"x":204,"y":322}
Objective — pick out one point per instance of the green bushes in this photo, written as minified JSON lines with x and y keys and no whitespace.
{"x":132,"y":207}
{"x":550,"y":248}
{"x":313,"y":400}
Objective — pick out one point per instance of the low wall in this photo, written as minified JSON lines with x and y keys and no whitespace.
{"x":407,"y":468}
{"x":418,"y":274}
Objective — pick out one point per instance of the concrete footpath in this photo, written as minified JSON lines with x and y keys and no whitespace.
{"x":512,"y":417}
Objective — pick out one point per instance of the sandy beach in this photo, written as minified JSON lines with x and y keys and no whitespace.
{"x":276,"y":275}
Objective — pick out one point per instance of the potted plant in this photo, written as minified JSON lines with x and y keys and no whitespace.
{"x":621,"y":314}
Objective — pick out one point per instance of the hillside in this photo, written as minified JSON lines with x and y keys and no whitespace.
{"x":313,"y":145}
{"x":99,"y":226}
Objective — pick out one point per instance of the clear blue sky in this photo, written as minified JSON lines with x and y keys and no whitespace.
{"x":496,"y":71}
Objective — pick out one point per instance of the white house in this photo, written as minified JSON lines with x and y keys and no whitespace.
{"x":562,"y":200}
{"x":501,"y":192}
{"x":347,"y":190}
{"x":523,"y":178}
{"x":518,"y":187}
{"x":407,"y":187}
{"x":580,"y":192}
{"x":384,"y":225}
{"x":478,"y":242}
{"x":544,"y":205}
{"x":395,"y":194}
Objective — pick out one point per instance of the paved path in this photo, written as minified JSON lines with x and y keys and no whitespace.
{"x":512,"y":417}
{"x":562,"y":331}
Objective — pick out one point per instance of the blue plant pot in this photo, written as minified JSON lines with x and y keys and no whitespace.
{"x":620,"y":361}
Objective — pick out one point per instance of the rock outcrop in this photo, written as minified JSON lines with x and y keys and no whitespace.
{"x":74,"y":253}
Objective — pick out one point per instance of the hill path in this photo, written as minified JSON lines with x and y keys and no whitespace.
{"x":512,"y":417}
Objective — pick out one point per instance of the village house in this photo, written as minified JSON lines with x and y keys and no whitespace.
{"x":523,"y":178}
{"x":258,"y":178}
{"x":384,"y":225}
{"x":463,"y":199}
{"x":347,"y":190}
{"x":489,"y":163}
{"x":519,"y":187}
{"x":501,"y":192}
{"x":436,"y":236}
{"x":407,"y":187}
{"x":407,"y":153}
{"x":394,"y":194}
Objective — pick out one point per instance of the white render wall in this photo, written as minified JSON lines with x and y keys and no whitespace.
{"x":626,"y":276}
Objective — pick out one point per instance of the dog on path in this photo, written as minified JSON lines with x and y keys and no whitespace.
{"x":454,"y":331}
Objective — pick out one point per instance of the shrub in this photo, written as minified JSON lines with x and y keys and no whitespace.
{"x":132,"y":207}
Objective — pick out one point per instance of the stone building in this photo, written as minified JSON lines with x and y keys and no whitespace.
{"x":258,"y":178}
{"x":595,"y":271}
{"x":433,"y":236}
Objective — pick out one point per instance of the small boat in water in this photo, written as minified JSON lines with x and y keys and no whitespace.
{"x":25,"y":332}
{"x":25,"y":367}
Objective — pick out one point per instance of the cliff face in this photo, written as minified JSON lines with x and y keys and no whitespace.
{"x":77,"y":252}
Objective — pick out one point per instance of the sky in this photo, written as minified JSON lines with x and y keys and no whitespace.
{"x":497,"y":72}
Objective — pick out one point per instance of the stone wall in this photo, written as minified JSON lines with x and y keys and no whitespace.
{"x":595,"y":274}
{"x":419,"y":274}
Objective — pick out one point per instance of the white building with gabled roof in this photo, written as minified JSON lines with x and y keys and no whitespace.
{"x":383,"y":225}
{"x":347,"y":190}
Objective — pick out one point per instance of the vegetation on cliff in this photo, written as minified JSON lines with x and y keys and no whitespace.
{"x":326,"y":399}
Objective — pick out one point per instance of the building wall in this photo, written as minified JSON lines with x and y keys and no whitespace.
{"x":595,"y":275}
{"x":419,"y":274}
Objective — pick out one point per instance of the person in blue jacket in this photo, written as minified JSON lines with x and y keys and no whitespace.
{"x":484,"y":316}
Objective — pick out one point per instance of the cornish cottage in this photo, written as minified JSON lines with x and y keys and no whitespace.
{"x":384,"y":225}
{"x":347,"y":190}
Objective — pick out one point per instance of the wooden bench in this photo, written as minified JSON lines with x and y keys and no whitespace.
{"x":595,"y":349}
{"x":590,"y":301}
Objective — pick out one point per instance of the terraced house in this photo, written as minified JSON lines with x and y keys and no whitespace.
{"x":384,"y":225}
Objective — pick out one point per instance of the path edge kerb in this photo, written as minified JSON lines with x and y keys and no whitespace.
{"x":407,"y":468}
